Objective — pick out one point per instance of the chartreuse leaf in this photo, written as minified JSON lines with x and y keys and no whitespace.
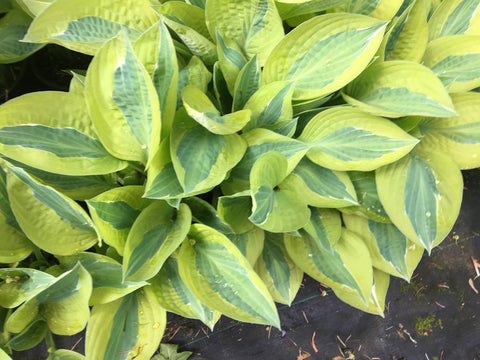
{"x":294,"y":8}
{"x":376,"y":301}
{"x":221,"y":277}
{"x":156,"y":52}
{"x":407,"y":39}
{"x":456,"y":61}
{"x":169,"y":351}
{"x":231,"y":59}
{"x":52,"y":221}
{"x":63,"y":354}
{"x":319,"y":186}
{"x":257,"y":31}
{"x":250,"y":243}
{"x":345,"y":138}
{"x":421,"y":193}
{"x":195,"y":74}
{"x":14,"y":245}
{"x":173,"y":295}
{"x":202,"y":159}
{"x":155,"y":234}
{"x":399,"y":88}
{"x":247,"y":83}
{"x":61,"y":139}
{"x":369,"y":204}
{"x":19,"y":284}
{"x":13,"y":27}
{"x":4,"y":356}
{"x":106,"y":276}
{"x":35,"y":7}
{"x":85,"y":25}
{"x":389,"y":249}
{"x":277,"y":270}
{"x":115,"y":211}
{"x":332,"y":255}
{"x":275,"y":209}
{"x":380,"y":9}
{"x":206,"y":214}
{"x":128,"y":328}
{"x":162,"y":181}
{"x":235,"y":210}
{"x":261,"y":141}
{"x":271,"y":105}
{"x":455,"y":17}
{"x":324,"y":54}
{"x":30,"y":337}
{"x":458,"y":136}
{"x":117,"y":80}
{"x":64,"y":304}
{"x":201,"y":109}
{"x":188,"y":22}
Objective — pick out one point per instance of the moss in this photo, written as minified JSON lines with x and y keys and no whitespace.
{"x":424,"y":326}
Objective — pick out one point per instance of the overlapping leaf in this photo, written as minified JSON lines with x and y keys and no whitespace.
{"x":380,"y":9}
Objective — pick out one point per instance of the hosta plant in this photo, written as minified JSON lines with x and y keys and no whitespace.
{"x":215,"y":151}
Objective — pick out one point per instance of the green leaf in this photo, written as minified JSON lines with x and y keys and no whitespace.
{"x":84,"y":26}
{"x":115,"y":211}
{"x":456,"y":61}
{"x":455,"y":17}
{"x":399,"y":88}
{"x":169,"y":351}
{"x":202,"y":159}
{"x":421,"y":193}
{"x":221,"y":277}
{"x":235,"y":210}
{"x":324,"y":54}
{"x":278,"y":271}
{"x":117,"y":80}
{"x":195,"y":74}
{"x":257,"y":30}
{"x":221,"y":91}
{"x":64,"y":304}
{"x":319,"y":186}
{"x":154,"y":236}
{"x":458,"y":136}
{"x":60,"y":140}
{"x":29,"y":337}
{"x":247,"y":83}
{"x":130,"y":327}
{"x":275,"y":209}
{"x":173,"y":295}
{"x":200,"y":108}
{"x":206,"y":214}
{"x":62,"y":354}
{"x":56,"y":217}
{"x":344,"y":138}
{"x":106,"y":275}
{"x":389,"y":249}
{"x":231,"y":59}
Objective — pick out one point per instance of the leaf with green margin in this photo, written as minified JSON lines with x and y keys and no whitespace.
{"x":115,"y":211}
{"x":282,"y":277}
{"x":389,"y":249}
{"x":257,"y":31}
{"x":458,"y":136}
{"x":231,"y":59}
{"x":169,"y":351}
{"x":206,"y":214}
{"x":129,"y":327}
{"x":427,"y":196}
{"x":455,"y":60}
{"x":455,"y":17}
{"x":235,"y":210}
{"x":117,"y":80}
{"x":221,"y":277}
{"x":60,"y":140}
{"x":29,"y":337}
{"x":162,"y":66}
{"x":201,"y":109}
{"x":173,"y":295}
{"x":63,"y":16}
{"x":64,"y":304}
{"x":154,"y":236}
{"x":63,"y":354}
{"x":399,"y":88}
{"x":324,"y":54}
{"x":346,"y":266}
{"x":247,"y":83}
{"x":106,"y":276}
{"x":275,"y":210}
{"x":52,"y":221}
{"x":345,"y":138}
{"x":289,"y":9}
{"x":206,"y":164}
{"x":319,"y":186}
{"x":369,"y":204}
{"x":250,"y":243}
{"x":20,"y":284}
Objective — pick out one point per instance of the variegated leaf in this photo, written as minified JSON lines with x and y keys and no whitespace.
{"x":380,"y":9}
{"x":235,"y":210}
{"x":250,"y":243}
{"x":194,"y":73}
{"x":290,"y":9}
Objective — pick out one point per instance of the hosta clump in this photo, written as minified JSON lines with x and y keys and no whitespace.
{"x":206,"y":160}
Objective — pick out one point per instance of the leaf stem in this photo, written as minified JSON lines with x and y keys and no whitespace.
{"x":50,"y":342}
{"x":136,"y":168}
